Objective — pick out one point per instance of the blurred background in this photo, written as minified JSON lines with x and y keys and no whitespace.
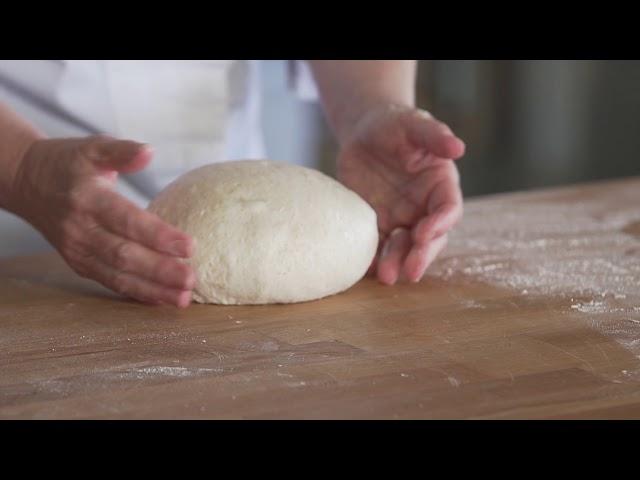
{"x":527,"y":124}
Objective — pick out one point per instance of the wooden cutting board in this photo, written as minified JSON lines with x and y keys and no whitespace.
{"x":533,"y":311}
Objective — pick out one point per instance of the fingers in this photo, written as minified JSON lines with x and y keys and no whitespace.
{"x":124,"y":218}
{"x":135,"y":287}
{"x":121,"y":216}
{"x":133,"y":258}
{"x":434,"y":137}
{"x":393,"y":254}
{"x":437,"y":223}
{"x":421,"y":256}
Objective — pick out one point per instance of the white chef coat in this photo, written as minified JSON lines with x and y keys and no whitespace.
{"x":193,"y":112}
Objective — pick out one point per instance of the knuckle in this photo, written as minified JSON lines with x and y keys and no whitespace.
{"x":68,"y":248}
{"x":165,"y":268}
{"x":80,"y":268}
{"x":72,"y":240}
{"x":90,"y":148}
{"x":122,"y":256}
{"x":130,"y":223}
{"x":79,"y":262}
{"x":78,"y":259}
{"x":77,"y":199}
{"x":91,"y":231}
{"x":76,"y":202}
{"x":67,"y":231}
{"x":121,"y":285}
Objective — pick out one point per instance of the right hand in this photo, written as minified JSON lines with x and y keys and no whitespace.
{"x":65,"y":189}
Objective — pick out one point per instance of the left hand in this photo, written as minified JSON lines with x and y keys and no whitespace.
{"x":399,"y":159}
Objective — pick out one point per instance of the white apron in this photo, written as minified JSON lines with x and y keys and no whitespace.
{"x":184,"y":109}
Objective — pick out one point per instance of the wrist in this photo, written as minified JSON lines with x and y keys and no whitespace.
{"x":13,"y":160}
{"x":350,"y":89}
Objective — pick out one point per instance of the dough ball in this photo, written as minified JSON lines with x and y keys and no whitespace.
{"x":270,"y":232}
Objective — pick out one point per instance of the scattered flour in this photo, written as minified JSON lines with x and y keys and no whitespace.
{"x":558,"y":244}
{"x":574,"y":247}
{"x":453,"y":381}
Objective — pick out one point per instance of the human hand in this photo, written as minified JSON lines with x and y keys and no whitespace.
{"x":399,"y":159}
{"x":65,"y":189}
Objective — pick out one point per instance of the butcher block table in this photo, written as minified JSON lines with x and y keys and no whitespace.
{"x":533,"y":311}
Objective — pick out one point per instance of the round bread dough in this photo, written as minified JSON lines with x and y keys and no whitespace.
{"x":270,"y":232}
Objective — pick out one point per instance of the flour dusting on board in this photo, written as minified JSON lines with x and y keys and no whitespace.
{"x":583,"y":248}
{"x":170,"y":371}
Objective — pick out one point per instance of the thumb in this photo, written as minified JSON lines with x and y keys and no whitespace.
{"x":433,"y":137}
{"x":124,"y":156}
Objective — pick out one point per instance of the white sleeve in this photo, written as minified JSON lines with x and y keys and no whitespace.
{"x":301,"y":81}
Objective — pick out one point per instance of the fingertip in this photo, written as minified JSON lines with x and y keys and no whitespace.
{"x":420,"y":258}
{"x":145,"y":152}
{"x":387,"y":275}
{"x":140,"y":159}
{"x":454,"y":147}
{"x":146,"y":148}
{"x":416,"y":265}
{"x":416,"y":275}
{"x":184,"y":299}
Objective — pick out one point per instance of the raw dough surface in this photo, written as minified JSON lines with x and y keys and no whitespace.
{"x":270,"y":232}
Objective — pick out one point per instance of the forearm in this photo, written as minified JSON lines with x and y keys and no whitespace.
{"x":350,"y":88}
{"x":16,"y":136}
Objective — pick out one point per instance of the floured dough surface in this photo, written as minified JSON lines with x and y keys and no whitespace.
{"x":270,"y":232}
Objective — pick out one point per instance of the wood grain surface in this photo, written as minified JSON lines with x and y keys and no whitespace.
{"x":532,"y":312}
